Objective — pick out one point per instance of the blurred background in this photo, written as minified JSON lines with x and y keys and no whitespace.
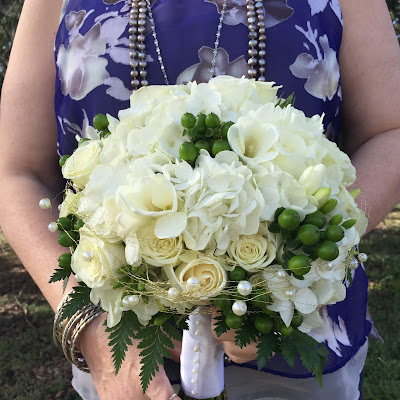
{"x":31,"y":368}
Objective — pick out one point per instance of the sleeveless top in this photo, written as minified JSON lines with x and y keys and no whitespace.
{"x":303,"y":41}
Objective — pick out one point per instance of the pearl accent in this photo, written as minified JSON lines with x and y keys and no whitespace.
{"x":125,"y":302}
{"x":244,"y":288}
{"x":45,"y":203}
{"x":87,"y":255}
{"x":196,"y":349}
{"x":59,"y":207}
{"x":193,"y":392}
{"x":281,"y":274}
{"x":194,"y":380}
{"x":239,"y":307}
{"x":197,"y":333}
{"x":362,"y":257}
{"x":192,"y":283}
{"x":134,"y":300}
{"x":196,"y":360}
{"x":289,"y":293}
{"x":52,"y":227}
{"x":195,"y":370}
{"x":353,"y":264}
{"x":173,"y":293}
{"x":77,"y":278}
{"x":198,"y":322}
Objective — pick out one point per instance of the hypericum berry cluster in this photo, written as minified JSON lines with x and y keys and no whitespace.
{"x":205,"y":132}
{"x":316,"y":236}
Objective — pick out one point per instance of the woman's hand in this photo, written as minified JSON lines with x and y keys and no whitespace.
{"x":93,"y":344}
{"x":235,"y":353}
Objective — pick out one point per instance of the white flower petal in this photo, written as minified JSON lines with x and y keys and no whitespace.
{"x":171,"y":225}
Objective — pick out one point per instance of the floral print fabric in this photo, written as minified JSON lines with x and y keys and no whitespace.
{"x":303,"y":41}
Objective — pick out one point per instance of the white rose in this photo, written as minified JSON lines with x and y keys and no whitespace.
{"x":82,"y":162}
{"x":100,"y":270}
{"x":158,"y":252}
{"x":211,"y":275}
{"x":252,"y":252}
{"x":70,"y":203}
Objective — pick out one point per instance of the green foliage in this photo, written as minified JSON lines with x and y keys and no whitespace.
{"x":220,"y":325}
{"x":268,"y":345}
{"x":121,"y":336}
{"x":246,"y":334}
{"x":79,"y":299}
{"x":155,"y":342}
{"x":61,"y":274}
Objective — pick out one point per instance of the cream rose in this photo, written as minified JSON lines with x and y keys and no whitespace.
{"x":102,"y":259}
{"x":81,"y":164}
{"x":210,"y":274}
{"x":252,"y":253}
{"x":158,"y":252}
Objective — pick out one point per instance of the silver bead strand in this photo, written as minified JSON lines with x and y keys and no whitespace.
{"x":216,"y":44}
{"x":261,"y":40}
{"x":253,"y":38}
{"x":133,"y":27}
{"x":153,"y":29}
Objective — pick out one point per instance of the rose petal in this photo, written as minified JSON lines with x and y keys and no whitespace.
{"x":170,"y":226}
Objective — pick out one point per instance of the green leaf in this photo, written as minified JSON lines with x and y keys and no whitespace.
{"x":121,"y":336}
{"x":79,"y":299}
{"x":220,"y":326}
{"x":289,"y":101}
{"x":181,"y":322}
{"x":246,"y":334}
{"x":172,"y":331}
{"x":349,"y":276}
{"x":313,"y":354}
{"x":288,"y":350}
{"x":65,"y":283}
{"x":267,"y":346}
{"x":155,"y":344}
{"x":60,"y":274}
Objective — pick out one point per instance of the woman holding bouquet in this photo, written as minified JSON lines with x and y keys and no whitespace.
{"x":340,"y":60}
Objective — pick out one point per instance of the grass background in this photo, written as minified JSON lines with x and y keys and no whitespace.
{"x":32,"y":369}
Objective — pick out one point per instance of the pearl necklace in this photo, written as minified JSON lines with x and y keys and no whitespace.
{"x":137,"y":29}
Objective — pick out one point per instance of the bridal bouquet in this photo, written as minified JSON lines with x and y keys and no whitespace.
{"x":200,"y":197}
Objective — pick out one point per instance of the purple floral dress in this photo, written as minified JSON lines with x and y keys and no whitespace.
{"x":303,"y":40}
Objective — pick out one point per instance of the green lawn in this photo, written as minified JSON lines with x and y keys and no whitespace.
{"x":32,"y":369}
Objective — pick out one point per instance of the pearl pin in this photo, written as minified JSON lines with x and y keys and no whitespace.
{"x":52,"y":227}
{"x":194,"y":380}
{"x":353,"y":264}
{"x":281,"y":274}
{"x":45,"y":203}
{"x":362,"y":257}
{"x":192,"y":283}
{"x":134,"y":300}
{"x":196,"y":360}
{"x":173,"y":293}
{"x":87,"y":255}
{"x":244,"y":288}
{"x":197,"y":333}
{"x":239,"y":307}
{"x":196,"y":349}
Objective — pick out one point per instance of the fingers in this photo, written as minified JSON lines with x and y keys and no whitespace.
{"x":240,"y":355}
{"x":160,"y":388}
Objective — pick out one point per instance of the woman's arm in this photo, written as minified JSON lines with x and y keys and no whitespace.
{"x":29,"y":171}
{"x":370,"y":69}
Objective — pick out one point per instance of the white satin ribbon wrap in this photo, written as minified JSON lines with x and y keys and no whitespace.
{"x":202,"y":359}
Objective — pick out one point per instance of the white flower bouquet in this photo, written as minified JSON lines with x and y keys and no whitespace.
{"x":209,"y":196}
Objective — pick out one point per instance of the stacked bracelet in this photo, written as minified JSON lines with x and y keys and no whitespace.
{"x":66,"y":331}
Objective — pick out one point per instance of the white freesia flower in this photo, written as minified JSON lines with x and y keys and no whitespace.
{"x":146,"y":310}
{"x":100,"y":270}
{"x":82,"y":162}
{"x":110,"y":301}
{"x":252,"y":252}
{"x":210,"y":274}
{"x":70,"y":203}
{"x":284,"y":307}
{"x":311,"y":179}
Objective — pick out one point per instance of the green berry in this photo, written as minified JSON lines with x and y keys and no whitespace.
{"x":308,"y":234}
{"x":212,"y":121}
{"x":203,"y":144}
{"x":100,"y":122}
{"x":188,"y":120}
{"x":234,"y":321}
{"x":334,"y":233}
{"x":297,"y":320}
{"x":328,"y":250}
{"x":289,"y":219}
{"x":223,"y":302}
{"x":300,"y":264}
{"x":67,"y":239}
{"x":63,"y":160}
{"x":78,"y":225}
{"x":64,"y":261}
{"x":220,"y":145}
{"x":336,"y":219}
{"x":238,"y":274}
{"x":286,"y":330}
{"x":141,"y":287}
{"x":200,"y":124}
{"x":328,"y":206}
{"x":64,"y":224}
{"x":104,"y":134}
{"x":349,"y":223}
{"x":161,"y":318}
{"x":225,"y":128}
{"x":263,"y":324}
{"x":317,"y":218}
{"x":260,"y":301}
{"x":188,"y":152}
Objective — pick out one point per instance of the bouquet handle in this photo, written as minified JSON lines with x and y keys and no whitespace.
{"x":202,"y":360}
